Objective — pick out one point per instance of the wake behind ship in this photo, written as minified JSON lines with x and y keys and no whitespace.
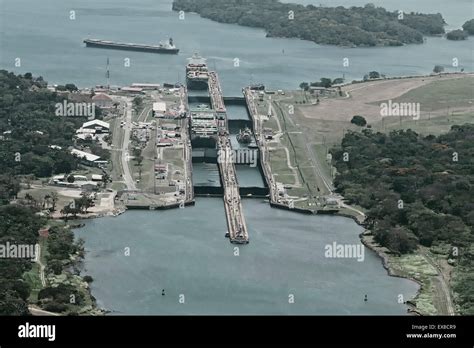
{"x":165,"y":48}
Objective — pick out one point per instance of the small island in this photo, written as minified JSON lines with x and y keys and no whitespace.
{"x":355,"y":26}
{"x":457,"y":35}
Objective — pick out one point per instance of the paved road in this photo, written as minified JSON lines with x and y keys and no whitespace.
{"x":127,"y":175}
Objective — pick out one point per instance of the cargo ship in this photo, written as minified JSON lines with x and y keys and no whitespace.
{"x":197,"y":73}
{"x":165,"y":48}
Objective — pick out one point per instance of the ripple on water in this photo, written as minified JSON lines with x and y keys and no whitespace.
{"x":185,"y":252}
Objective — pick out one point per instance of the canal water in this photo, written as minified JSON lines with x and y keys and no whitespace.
{"x":49,"y":43}
{"x":184,"y":251}
{"x":207,"y":174}
{"x":248,"y":175}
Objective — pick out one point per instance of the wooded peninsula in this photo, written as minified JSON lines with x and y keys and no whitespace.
{"x":354,"y":26}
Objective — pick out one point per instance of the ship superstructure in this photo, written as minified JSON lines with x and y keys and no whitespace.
{"x":197,"y":73}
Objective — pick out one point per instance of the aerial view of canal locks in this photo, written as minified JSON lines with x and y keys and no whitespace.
{"x":198,"y":157}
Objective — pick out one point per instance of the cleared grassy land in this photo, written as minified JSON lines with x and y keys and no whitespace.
{"x":118,"y":186}
{"x":278,"y":163}
{"x":442,"y":104}
{"x":32,"y":277}
{"x":311,"y":125}
{"x":321,"y":152}
{"x":434,"y":126}
{"x":146,"y":178}
{"x":147,"y":167}
{"x":416,"y":267}
{"x":299,"y":140}
{"x":311,"y":129}
{"x":39,"y":193}
{"x":441,"y":94}
{"x":174,"y":156}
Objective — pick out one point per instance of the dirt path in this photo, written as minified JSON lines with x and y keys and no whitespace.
{"x":41,"y":266}
{"x":40,"y":312}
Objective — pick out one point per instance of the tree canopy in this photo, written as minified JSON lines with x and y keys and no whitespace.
{"x":359,"y":121}
{"x":416,"y":190}
{"x":469,"y":27}
{"x":457,"y":35}
{"x":29,"y":126}
{"x":354,"y":26}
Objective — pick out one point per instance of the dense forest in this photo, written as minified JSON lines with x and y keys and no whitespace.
{"x":355,"y":26}
{"x":416,"y":190}
{"x":28,"y":126}
{"x":18,"y":225}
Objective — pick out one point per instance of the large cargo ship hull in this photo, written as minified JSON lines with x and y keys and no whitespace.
{"x":137,"y":48}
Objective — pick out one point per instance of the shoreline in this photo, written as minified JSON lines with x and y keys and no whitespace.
{"x":70,"y":276}
{"x":385,"y":258}
{"x":365,"y":237}
{"x":377,"y":249}
{"x":380,"y":251}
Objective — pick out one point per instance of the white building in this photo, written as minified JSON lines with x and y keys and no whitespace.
{"x":97,"y":177}
{"x":90,"y":129}
{"x":87,"y":158}
{"x":159,"y":109}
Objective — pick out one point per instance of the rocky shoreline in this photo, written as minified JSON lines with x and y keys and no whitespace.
{"x":367,"y":239}
{"x":384,"y":254}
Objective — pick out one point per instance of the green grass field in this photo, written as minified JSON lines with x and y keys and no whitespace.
{"x":441,"y":94}
{"x":32,"y":277}
{"x":278,"y":163}
{"x":322,"y":135}
{"x":434,"y":126}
